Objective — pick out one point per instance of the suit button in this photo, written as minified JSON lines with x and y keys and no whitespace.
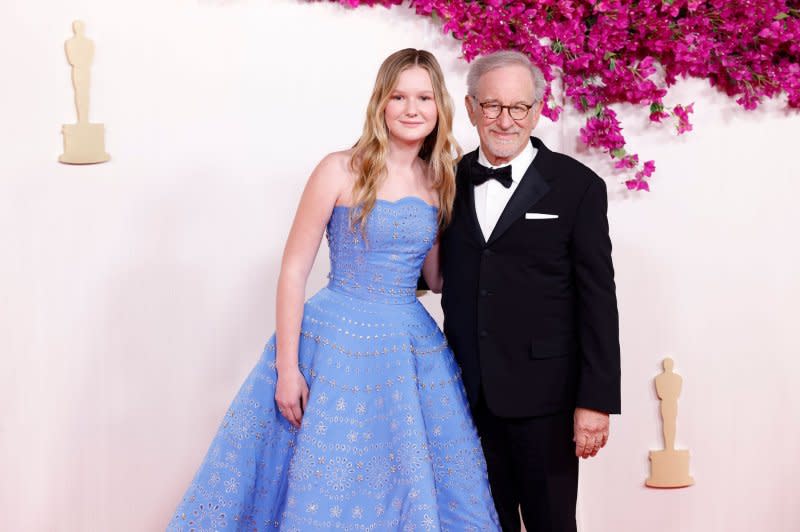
{"x":484,"y":292}
{"x":487,"y":253}
{"x":484,"y":333}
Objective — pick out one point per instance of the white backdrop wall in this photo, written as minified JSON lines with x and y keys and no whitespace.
{"x":135,"y":296}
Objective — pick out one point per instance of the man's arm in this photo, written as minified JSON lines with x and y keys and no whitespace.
{"x":598,"y":322}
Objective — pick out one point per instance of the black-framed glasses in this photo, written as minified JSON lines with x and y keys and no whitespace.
{"x":492,"y":109}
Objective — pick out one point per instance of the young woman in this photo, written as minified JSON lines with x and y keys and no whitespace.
{"x":355,"y":416}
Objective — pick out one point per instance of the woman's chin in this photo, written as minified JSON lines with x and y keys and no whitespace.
{"x":409,"y":138}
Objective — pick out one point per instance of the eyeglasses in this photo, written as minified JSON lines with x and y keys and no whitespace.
{"x":492,"y":109}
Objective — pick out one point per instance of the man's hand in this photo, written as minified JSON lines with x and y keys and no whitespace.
{"x":591,"y":432}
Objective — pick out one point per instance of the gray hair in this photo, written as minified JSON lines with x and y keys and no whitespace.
{"x":486,"y":63}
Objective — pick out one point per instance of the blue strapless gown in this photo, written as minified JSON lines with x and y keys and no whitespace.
{"x":387,"y":442}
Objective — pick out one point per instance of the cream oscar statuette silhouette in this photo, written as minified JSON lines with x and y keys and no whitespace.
{"x":83,"y":142}
{"x":669,"y":468}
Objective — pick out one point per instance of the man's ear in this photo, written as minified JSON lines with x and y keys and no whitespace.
{"x":468,"y":101}
{"x":536,"y":112}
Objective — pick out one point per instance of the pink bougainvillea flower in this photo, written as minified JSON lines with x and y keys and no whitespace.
{"x":637,"y":184}
{"x":683,"y":117}
{"x":624,"y":51}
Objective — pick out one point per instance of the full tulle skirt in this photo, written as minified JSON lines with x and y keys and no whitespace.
{"x":386,"y":443}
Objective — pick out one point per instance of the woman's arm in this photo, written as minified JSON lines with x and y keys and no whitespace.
{"x":431,"y":269}
{"x":326,"y":183}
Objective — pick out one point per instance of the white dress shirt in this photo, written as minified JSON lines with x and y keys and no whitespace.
{"x":491,"y":197}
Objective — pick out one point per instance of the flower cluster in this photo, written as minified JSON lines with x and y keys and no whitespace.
{"x":613,"y":51}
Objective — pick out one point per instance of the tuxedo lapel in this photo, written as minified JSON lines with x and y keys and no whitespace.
{"x":531,"y":188}
{"x":468,"y":201}
{"x":474,"y":226}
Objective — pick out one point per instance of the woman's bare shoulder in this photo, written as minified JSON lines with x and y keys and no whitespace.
{"x":334,"y":172}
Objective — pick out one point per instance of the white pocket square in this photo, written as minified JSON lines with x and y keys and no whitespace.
{"x":539,"y":216}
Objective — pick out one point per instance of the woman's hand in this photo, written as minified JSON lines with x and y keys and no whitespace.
{"x":291,"y":395}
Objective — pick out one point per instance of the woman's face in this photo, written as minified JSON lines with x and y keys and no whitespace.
{"x":411,"y":112}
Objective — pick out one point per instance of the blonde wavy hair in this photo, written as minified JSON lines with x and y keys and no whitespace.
{"x":439,"y":149}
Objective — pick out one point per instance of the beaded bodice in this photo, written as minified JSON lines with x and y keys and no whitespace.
{"x":386,"y":266}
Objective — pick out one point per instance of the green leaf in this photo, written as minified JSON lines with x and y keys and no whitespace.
{"x":656,"y":107}
{"x":598,"y":110}
{"x":619,"y":153}
{"x":612,"y":64}
{"x":584,"y":103}
{"x":781,"y":16}
{"x":608,"y":55}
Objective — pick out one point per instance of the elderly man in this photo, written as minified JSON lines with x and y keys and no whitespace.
{"x":529,"y":300}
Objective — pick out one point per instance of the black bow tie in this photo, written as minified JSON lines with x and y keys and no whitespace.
{"x":479,"y":174}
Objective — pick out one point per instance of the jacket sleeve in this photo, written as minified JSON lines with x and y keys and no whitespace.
{"x":596,"y":304}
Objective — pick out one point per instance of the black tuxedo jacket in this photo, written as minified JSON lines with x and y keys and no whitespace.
{"x":531,"y":314}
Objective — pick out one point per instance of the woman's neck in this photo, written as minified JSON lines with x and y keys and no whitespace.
{"x":403,"y":156}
